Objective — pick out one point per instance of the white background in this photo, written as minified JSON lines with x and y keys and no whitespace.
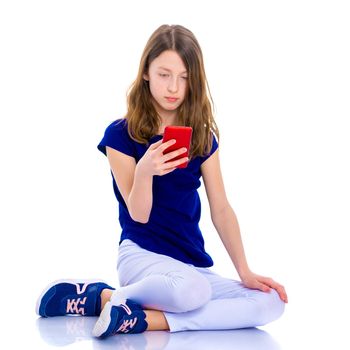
{"x":279,"y":76}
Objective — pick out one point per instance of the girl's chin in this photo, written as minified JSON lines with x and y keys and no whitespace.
{"x":169,"y":108}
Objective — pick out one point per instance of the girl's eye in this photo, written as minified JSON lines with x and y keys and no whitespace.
{"x":165,"y":75}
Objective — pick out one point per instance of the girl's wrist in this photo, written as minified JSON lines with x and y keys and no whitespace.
{"x":244,"y":272}
{"x":141,"y":172}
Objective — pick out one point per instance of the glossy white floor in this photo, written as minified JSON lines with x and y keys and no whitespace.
{"x":74,"y":333}
{"x":66,"y":331}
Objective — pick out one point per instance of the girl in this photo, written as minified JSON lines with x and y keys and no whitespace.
{"x":163,"y":268}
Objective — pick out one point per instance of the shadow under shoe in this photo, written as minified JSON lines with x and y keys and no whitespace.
{"x":62,"y":331}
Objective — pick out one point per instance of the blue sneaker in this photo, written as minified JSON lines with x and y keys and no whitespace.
{"x":128,"y":317}
{"x":71,"y":297}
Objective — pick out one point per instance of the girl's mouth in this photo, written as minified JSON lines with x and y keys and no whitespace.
{"x":171,"y":99}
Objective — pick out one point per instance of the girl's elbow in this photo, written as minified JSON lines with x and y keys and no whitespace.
{"x":138,"y":214}
{"x":142,"y":219}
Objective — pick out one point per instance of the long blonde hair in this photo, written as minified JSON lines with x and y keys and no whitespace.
{"x":197,"y":108}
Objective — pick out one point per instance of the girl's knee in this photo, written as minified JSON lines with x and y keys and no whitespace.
{"x":192,"y":293}
{"x":271,"y":307}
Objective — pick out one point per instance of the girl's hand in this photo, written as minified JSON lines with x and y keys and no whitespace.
{"x":254,"y":281}
{"x":153,"y":161}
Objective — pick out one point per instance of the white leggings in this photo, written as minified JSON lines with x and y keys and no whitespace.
{"x":192,"y":298}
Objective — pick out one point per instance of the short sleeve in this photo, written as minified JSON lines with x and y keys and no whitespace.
{"x":214,"y":147}
{"x":116,"y":136}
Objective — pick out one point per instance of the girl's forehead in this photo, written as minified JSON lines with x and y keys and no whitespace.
{"x":169,"y":60}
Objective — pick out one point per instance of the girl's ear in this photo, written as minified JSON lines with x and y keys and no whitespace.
{"x":145,"y":77}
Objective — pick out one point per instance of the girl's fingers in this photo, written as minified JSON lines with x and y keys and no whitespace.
{"x":278,"y":287}
{"x":265,"y":284}
{"x":167,"y":144}
{"x":174,"y":154}
{"x":263,"y":287}
{"x":282,"y":293}
{"x":172,"y":165}
{"x":167,"y":171}
{"x":156,"y":144}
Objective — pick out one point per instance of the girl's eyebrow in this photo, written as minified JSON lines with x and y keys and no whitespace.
{"x":169,"y":70}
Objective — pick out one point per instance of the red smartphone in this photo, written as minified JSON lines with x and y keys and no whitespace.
{"x":182,"y":135}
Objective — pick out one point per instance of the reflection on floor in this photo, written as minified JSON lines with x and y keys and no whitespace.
{"x":63,"y":331}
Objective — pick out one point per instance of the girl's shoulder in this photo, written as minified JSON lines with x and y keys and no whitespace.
{"x":118,"y":124}
{"x":118,"y":128}
{"x":116,"y":136}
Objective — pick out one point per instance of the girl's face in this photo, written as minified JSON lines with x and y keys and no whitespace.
{"x":167,"y":76}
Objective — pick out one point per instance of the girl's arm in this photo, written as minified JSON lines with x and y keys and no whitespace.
{"x":135,"y":181}
{"x":222,"y":214}
{"x":134,"y":186}
{"x":226,"y":224}
{"x":141,"y":197}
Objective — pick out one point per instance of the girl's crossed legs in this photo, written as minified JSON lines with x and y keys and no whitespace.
{"x":191,"y":298}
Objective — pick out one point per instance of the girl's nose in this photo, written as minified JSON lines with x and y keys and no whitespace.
{"x":173,"y":85}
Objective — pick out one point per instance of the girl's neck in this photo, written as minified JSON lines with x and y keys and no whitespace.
{"x":171,"y":120}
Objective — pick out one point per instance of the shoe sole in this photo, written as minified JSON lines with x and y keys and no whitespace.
{"x":71,"y":281}
{"x":103,"y":325}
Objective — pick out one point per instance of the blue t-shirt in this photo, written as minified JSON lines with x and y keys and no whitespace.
{"x":172,"y":228}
